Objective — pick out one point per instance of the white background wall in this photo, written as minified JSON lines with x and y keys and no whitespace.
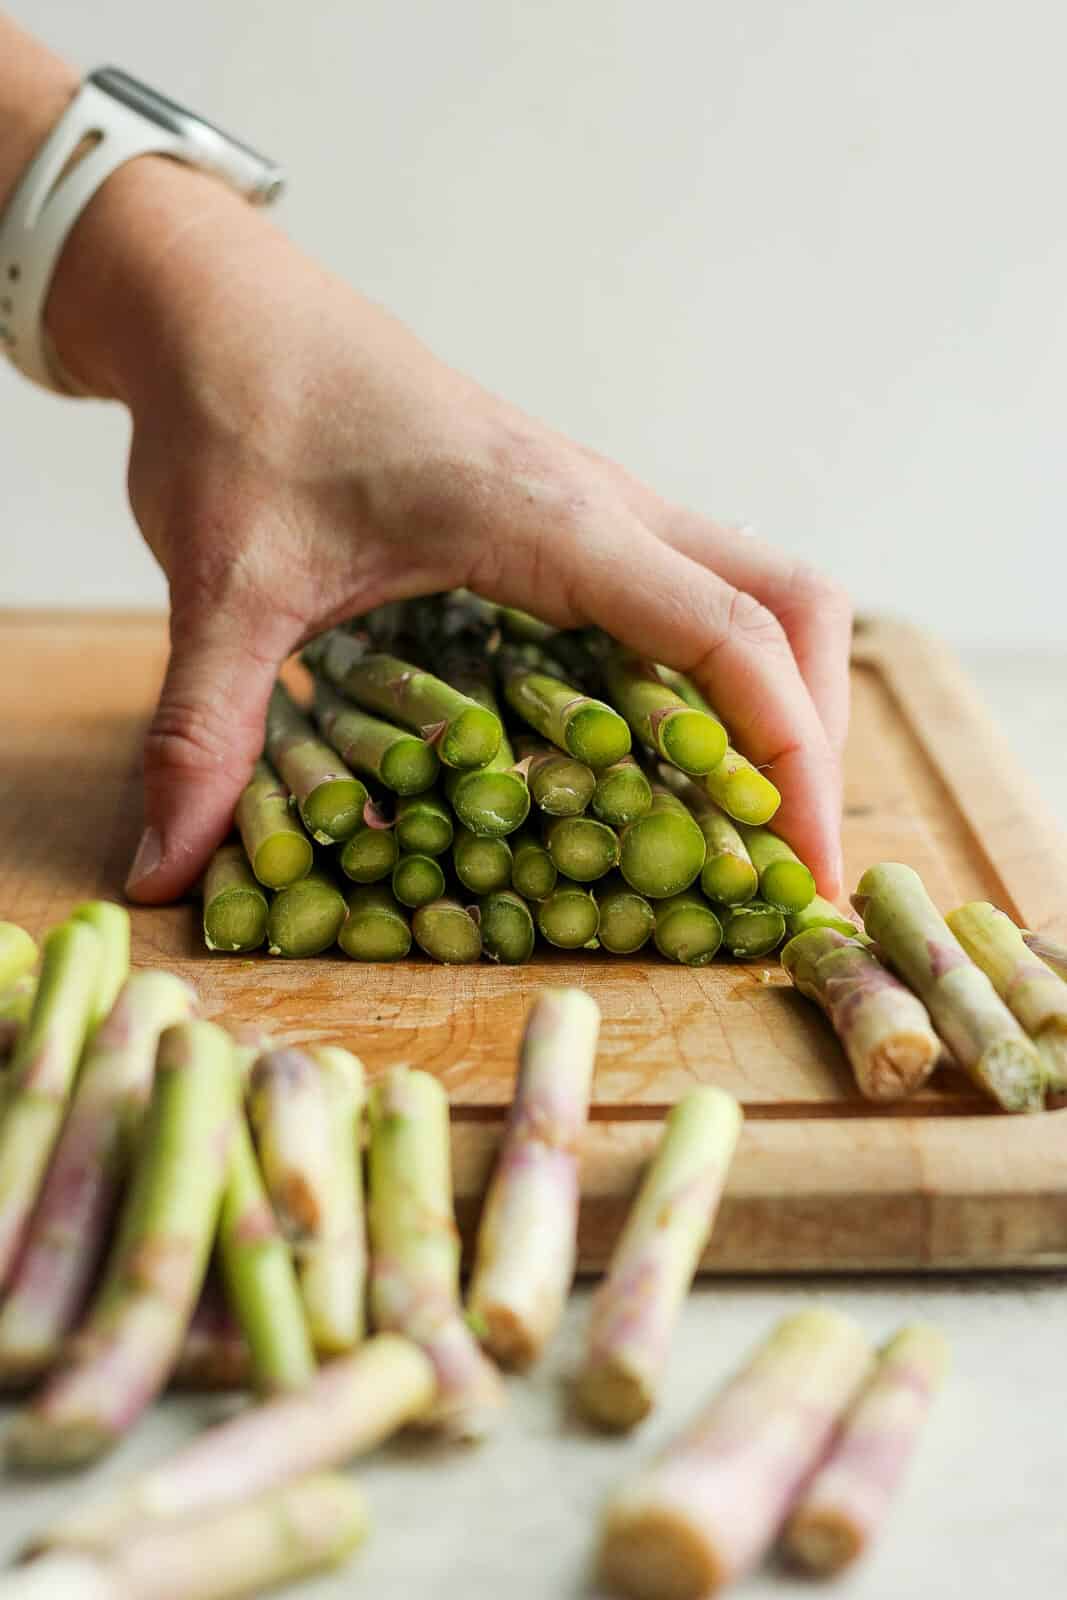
{"x":801,"y":262}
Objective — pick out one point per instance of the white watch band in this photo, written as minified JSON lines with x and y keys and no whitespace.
{"x":45,"y":207}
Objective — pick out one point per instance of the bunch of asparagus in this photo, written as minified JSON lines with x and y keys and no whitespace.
{"x":533,"y":784}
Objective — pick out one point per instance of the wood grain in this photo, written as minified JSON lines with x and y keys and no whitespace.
{"x":823,"y":1179}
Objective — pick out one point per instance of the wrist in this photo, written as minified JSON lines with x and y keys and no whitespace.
{"x":35,"y":89}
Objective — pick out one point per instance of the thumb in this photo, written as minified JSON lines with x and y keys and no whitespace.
{"x":201,"y":745}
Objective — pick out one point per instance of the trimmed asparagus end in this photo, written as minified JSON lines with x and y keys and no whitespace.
{"x":283,"y":859}
{"x":306,"y":918}
{"x":569,"y":918}
{"x":491,"y":804}
{"x":375,"y":928}
{"x":471,"y":739}
{"x":582,"y":848}
{"x":370,"y":855}
{"x":235,"y":907}
{"x":334,"y":810}
{"x":690,"y":740}
{"x":663,"y":852}
{"x":687,"y":929}
{"x":533,"y":872}
{"x":482,"y":865}
{"x":622,"y":793}
{"x":820,"y":913}
{"x":424,"y":825}
{"x":507,"y":926}
{"x":626,"y":917}
{"x":742,"y":790}
{"x":447,"y":932}
{"x":409,"y":766}
{"x":597,"y":735}
{"x":418,"y":880}
{"x":752,"y":930}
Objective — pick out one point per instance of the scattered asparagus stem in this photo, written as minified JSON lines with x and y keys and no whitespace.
{"x":507,"y":928}
{"x":967,"y":1012}
{"x":819,"y":913}
{"x":662,"y":852}
{"x":884,"y":1029}
{"x":691,"y":739}
{"x":482,"y":865}
{"x":752,"y":930}
{"x":784,"y":881}
{"x":278,"y":849}
{"x":414,"y":1283}
{"x":235,"y":907}
{"x":18,"y":954}
{"x":306,"y":918}
{"x":447,"y":932}
{"x":569,"y":918}
{"x":525,"y":1252}
{"x":375,"y":928}
{"x":1052,"y":954}
{"x":1034,"y":994}
{"x":16,"y":1003}
{"x":653,"y":1263}
{"x":112,"y":924}
{"x":290,"y":1116}
{"x":582,"y":848}
{"x":559,"y":784}
{"x":423,"y":824}
{"x":401,"y":760}
{"x":41,"y":1075}
{"x":622,"y":793}
{"x":627,"y":919}
{"x":332,"y":1258}
{"x":328,"y":796}
{"x":372,"y":852}
{"x":586,"y":728}
{"x":687,"y":929}
{"x":130,"y":1339}
{"x":533,"y":871}
{"x":707,"y":1509}
{"x":844,"y":1506}
{"x":68,"y":1233}
{"x":418,"y":880}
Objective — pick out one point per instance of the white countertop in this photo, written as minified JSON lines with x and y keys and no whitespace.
{"x":982,"y":1514}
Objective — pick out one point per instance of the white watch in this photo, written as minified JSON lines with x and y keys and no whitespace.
{"x":111,"y":119}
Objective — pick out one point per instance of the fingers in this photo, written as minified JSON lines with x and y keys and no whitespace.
{"x":202,"y":743}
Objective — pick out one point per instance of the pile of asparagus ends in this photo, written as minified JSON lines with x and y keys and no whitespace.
{"x":468,"y":781}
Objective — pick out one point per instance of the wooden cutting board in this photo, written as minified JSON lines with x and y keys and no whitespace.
{"x":822,"y":1180}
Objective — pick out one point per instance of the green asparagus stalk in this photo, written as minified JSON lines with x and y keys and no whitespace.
{"x":126,"y":1347}
{"x":587,"y":729}
{"x":967,"y":1012}
{"x":739,"y":788}
{"x":569,"y":918}
{"x":507,"y":927}
{"x":704,"y":1513}
{"x":424,"y":825}
{"x":495,"y":800}
{"x":582,"y":848}
{"x":727,"y":876}
{"x":68,"y":1234}
{"x":525,"y":1252}
{"x":290,"y":1116}
{"x":41,"y":1075}
{"x":348,"y":1408}
{"x":418,"y":880}
{"x":328,"y":796}
{"x":332,"y":1262}
{"x":819,"y":913}
{"x":690,"y":739}
{"x":522,"y":626}
{"x":278,"y":849}
{"x":16,"y":1003}
{"x":752,"y":930}
{"x":414,"y":1284}
{"x":372,"y":851}
{"x":1047,"y":950}
{"x":447,"y":932}
{"x":784,"y":881}
{"x":235,"y":907}
{"x":18,"y":954}
{"x":663,"y":852}
{"x":482,"y":865}
{"x":533,"y":871}
{"x":1033,"y":993}
{"x":402,"y":761}
{"x":112,"y":924}
{"x":844,"y":1506}
{"x":687,"y":929}
{"x":558,"y":783}
{"x":375,"y":928}
{"x":306,"y":918}
{"x":655,"y":1258}
{"x":622,"y":793}
{"x":627,"y":919}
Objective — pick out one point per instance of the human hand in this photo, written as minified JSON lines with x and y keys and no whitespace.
{"x":298,"y":456}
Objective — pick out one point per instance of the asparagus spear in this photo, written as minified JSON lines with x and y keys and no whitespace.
{"x":306,"y":918}
{"x":687,"y":929}
{"x":525,"y":1251}
{"x":967,"y":1012}
{"x":708,"y":1508}
{"x":507,"y":928}
{"x":727,"y":875}
{"x":112,"y":924}
{"x":752,"y":930}
{"x":290,"y":1116}
{"x":375,"y":928}
{"x":691,"y":739}
{"x":16,"y":1003}
{"x":278,"y":849}
{"x":372,"y":851}
{"x":662,"y":852}
{"x":558,"y":783}
{"x":332,"y":1260}
{"x":482,"y":865}
{"x":402,"y":761}
{"x":569,"y":918}
{"x":328,"y":796}
{"x":819,"y":913}
{"x":414,"y":1284}
{"x":130,"y":1339}
{"x":587,"y":729}
{"x":784,"y":881}
{"x":18,"y":953}
{"x":347,"y":1409}
{"x":41,"y":1074}
{"x":885,"y":1031}
{"x":626,"y":917}
{"x":654,"y":1260}
{"x":68,"y":1234}
{"x":843,"y":1507}
{"x":418,"y":880}
{"x":622,"y":793}
{"x":1033,"y":993}
{"x":582,"y":848}
{"x":1052,"y":954}
{"x":447,"y":932}
{"x":533,"y":871}
{"x":495,"y":800}
{"x":423,"y":825}
{"x":235,"y":907}
{"x":741,"y":789}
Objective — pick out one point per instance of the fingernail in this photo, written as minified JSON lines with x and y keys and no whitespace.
{"x":149,"y":855}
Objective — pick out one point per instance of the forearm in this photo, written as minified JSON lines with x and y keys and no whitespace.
{"x":35,"y":89}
